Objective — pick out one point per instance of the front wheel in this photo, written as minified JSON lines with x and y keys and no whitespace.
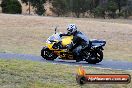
{"x":48,"y":54}
{"x":94,"y":57}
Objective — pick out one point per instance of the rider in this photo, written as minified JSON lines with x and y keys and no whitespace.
{"x":79,"y":41}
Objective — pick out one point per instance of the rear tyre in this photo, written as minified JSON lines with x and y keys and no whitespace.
{"x":95,"y":57}
{"x":48,"y":54}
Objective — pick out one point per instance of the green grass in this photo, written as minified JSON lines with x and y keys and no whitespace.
{"x":28,"y":74}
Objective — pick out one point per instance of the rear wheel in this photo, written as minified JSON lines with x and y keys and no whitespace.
{"x":48,"y":54}
{"x":94,"y":57}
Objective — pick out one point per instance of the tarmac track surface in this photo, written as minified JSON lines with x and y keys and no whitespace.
{"x":116,"y":65}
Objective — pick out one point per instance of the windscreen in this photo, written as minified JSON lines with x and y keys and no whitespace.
{"x":54,"y":37}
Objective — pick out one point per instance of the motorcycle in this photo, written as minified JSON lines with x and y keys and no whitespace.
{"x":56,"y":47}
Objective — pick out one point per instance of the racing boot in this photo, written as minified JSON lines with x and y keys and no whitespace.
{"x":78,"y":58}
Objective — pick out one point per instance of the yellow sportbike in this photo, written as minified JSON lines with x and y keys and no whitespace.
{"x":56,"y":47}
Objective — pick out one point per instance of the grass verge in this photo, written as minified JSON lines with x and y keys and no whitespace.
{"x":27,"y":74}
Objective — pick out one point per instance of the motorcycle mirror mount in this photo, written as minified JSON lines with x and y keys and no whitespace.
{"x":55,"y":29}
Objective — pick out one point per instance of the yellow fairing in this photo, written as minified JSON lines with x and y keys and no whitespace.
{"x":67,"y":40}
{"x":49,"y":46}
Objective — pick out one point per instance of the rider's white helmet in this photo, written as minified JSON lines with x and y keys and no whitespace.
{"x":72,"y":28}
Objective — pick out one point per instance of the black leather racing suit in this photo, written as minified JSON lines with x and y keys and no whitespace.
{"x":80,"y":41}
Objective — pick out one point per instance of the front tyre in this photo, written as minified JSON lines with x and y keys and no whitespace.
{"x":48,"y":54}
{"x":95,"y":57}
